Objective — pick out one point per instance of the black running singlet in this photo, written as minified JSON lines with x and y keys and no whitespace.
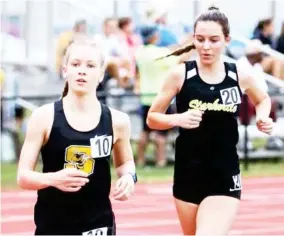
{"x":67,"y":148}
{"x":213,"y":143}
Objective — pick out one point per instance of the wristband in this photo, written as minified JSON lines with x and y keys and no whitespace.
{"x":134,"y":177}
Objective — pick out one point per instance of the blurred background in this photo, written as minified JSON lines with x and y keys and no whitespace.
{"x":35,"y":34}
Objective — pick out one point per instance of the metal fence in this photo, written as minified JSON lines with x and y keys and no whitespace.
{"x":130,"y":103}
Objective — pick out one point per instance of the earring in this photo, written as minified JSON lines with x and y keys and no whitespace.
{"x":64,"y":74}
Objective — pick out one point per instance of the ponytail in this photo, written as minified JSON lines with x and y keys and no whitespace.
{"x":179,"y":51}
{"x":65,"y":90}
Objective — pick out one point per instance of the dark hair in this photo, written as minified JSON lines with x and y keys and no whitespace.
{"x":124,"y":21}
{"x":213,"y":14}
{"x":179,"y":51}
{"x":261,"y":24}
{"x":65,"y":90}
{"x":147,"y":32}
{"x":282,"y":30}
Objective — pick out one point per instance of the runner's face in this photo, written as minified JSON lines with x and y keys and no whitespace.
{"x":84,"y":69}
{"x":209,"y":41}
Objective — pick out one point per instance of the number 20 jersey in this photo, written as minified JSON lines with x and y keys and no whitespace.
{"x":213,"y":143}
{"x":69,"y":148}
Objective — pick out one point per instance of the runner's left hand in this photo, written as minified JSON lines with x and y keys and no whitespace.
{"x":265,"y":125}
{"x":124,"y":187}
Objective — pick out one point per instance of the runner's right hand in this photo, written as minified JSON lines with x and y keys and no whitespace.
{"x":189,"y":119}
{"x":69,"y":179}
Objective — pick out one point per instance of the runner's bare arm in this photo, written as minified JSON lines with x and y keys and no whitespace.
{"x":157,"y":119}
{"x":258,"y":96}
{"x":68,"y":179}
{"x":122,"y":151}
{"x":35,"y":137}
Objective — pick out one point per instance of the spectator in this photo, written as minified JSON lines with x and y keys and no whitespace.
{"x":280,"y":48}
{"x":80,"y":28}
{"x":251,"y":63}
{"x":171,"y":36}
{"x":129,"y":41}
{"x":280,"y":41}
{"x":116,"y":76}
{"x":17,"y":130}
{"x":108,"y":38}
{"x":264,"y":32}
{"x":151,"y":76}
{"x":2,"y":79}
{"x":112,"y":48}
{"x":167,"y":36}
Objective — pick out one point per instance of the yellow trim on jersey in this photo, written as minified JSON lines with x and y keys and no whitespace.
{"x":215,"y":106}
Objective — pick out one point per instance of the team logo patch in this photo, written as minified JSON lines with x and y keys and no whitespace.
{"x":79,"y":157}
{"x":237,"y":183}
{"x":230,"y":96}
{"x":98,"y":231}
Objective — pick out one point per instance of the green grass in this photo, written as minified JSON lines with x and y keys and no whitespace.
{"x":152,"y":174}
{"x":265,"y":168}
{"x":9,"y":175}
{"x":258,"y":142}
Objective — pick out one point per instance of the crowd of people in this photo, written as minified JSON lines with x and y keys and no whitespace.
{"x":131,"y":52}
{"x":264,"y":32}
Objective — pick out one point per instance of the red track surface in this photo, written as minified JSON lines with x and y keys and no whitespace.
{"x":151,"y":210}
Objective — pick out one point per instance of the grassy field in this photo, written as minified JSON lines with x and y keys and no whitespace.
{"x":151,"y":174}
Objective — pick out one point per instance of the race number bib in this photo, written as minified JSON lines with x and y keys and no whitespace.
{"x":99,"y":231}
{"x":101,"y":146}
{"x":230,"y":96}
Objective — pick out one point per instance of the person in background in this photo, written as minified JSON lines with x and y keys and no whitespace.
{"x":264,"y":33}
{"x":2,"y":79}
{"x":117,"y":75}
{"x":280,"y":41}
{"x":65,"y":39}
{"x":167,"y":36}
{"x":171,"y":36}
{"x":251,"y":63}
{"x":151,"y":75}
{"x":280,"y":45}
{"x":129,"y":41}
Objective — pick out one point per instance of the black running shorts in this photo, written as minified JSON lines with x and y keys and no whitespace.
{"x":198,"y":183}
